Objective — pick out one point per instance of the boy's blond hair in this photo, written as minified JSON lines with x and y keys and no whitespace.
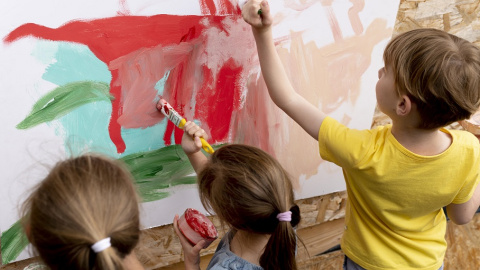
{"x":439,"y":72}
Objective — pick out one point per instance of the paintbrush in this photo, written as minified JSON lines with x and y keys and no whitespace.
{"x":179,"y":121}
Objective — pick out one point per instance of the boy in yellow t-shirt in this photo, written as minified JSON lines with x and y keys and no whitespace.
{"x":399,"y":176}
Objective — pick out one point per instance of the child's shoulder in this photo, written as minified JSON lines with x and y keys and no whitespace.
{"x":463,"y":137}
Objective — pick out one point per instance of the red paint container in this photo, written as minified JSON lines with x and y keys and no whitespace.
{"x":196,"y":227}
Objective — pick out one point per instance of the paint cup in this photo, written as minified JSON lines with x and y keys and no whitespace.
{"x":196,"y":227}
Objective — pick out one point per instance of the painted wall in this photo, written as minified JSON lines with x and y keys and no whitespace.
{"x":83,"y":76}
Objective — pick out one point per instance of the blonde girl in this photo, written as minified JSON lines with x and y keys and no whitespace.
{"x":84,"y":215}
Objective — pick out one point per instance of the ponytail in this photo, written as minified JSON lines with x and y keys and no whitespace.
{"x":108,"y":259}
{"x":82,"y":201}
{"x":281,"y":247}
{"x":247,"y":188}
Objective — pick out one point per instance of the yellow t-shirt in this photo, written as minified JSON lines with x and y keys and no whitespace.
{"x":394,"y":217}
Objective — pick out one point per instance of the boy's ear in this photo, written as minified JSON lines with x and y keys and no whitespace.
{"x":404,"y":105}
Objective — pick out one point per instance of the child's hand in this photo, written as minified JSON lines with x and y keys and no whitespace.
{"x":191,"y":138}
{"x":191,"y":253}
{"x":257,"y":14}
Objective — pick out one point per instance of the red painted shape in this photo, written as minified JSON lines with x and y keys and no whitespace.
{"x":111,"y":38}
{"x":222,"y":8}
{"x":223,"y":100}
{"x":208,"y":7}
{"x":114,"y":128}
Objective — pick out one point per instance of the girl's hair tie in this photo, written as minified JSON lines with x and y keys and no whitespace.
{"x":285,"y":216}
{"x":101,"y":245}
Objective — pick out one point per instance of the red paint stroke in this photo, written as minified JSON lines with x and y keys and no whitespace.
{"x":208,"y":7}
{"x":114,"y":128}
{"x":111,"y":39}
{"x":225,"y":99}
{"x":124,"y":10}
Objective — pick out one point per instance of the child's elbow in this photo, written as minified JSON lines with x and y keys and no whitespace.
{"x":461,"y":220}
{"x":460,"y":214}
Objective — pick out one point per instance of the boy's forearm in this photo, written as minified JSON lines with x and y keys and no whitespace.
{"x":274,"y":74}
{"x":198,"y":161}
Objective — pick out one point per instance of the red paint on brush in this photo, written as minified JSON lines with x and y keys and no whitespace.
{"x":196,"y":227}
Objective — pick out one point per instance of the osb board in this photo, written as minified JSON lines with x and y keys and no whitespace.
{"x":161,"y":247}
{"x":320,"y":229}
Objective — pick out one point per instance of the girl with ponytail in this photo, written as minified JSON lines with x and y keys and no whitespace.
{"x":84,"y":215}
{"x":251,"y":192}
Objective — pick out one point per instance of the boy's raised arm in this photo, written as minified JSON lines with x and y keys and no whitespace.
{"x":279,"y":87}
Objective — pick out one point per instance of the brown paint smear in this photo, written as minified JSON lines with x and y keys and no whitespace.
{"x":328,"y":77}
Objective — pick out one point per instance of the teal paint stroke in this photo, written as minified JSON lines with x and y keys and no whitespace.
{"x":70,"y":62}
{"x":151,"y":138}
{"x":160,"y":85}
{"x":85,"y":129}
{"x":13,"y":242}
{"x":63,"y":100}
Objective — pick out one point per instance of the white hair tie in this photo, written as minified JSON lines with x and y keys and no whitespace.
{"x":101,"y":245}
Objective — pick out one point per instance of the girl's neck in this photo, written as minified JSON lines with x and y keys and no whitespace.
{"x":249,"y":246}
{"x":132,"y":263}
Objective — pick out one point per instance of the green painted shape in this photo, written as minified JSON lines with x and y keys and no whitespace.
{"x":63,"y":100}
{"x":13,"y":242}
{"x":159,"y":169}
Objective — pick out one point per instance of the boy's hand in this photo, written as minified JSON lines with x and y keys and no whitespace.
{"x":257,"y":14}
{"x":191,"y":253}
{"x":191,"y":138}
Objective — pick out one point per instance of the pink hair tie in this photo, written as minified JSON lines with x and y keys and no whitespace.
{"x":285,"y":216}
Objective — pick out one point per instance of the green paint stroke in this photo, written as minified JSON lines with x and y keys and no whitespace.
{"x":157,"y":170}
{"x":13,"y":242}
{"x":65,"y":99}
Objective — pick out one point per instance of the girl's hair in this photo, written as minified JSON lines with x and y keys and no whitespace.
{"x":81,"y":201}
{"x":247,"y":188}
{"x":440,"y":72}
